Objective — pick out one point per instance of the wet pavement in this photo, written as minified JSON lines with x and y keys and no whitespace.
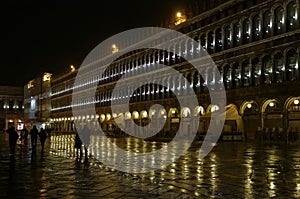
{"x":230,"y":170}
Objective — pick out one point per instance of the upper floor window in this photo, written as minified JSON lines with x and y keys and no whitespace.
{"x":236,"y":34}
{"x":267,"y":24}
{"x":218,"y":40}
{"x":279,"y":20}
{"x":292,"y":16}
{"x":255,"y":28}
{"x":227,"y":39}
{"x":246,"y":31}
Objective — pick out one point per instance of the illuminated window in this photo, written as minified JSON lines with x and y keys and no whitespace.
{"x":255,"y":28}
{"x":292,"y":16}
{"x":279,"y":20}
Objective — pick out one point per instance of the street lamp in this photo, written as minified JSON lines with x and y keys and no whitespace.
{"x":72,"y":68}
{"x":180,"y":18}
{"x":114,"y":48}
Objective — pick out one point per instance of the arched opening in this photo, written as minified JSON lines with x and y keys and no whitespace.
{"x":292,"y":16}
{"x":246,"y":31}
{"x":278,"y":68}
{"x":272,"y":115}
{"x":236,"y":75}
{"x":267,"y":69}
{"x":291,"y":67}
{"x":227,"y":37}
{"x":227,"y":77}
{"x":246,"y":73}
{"x":256,"y":72}
{"x":278,"y":19}
{"x":267,"y":24}
{"x":210,"y":43}
{"x":255,"y":28}
{"x":236,"y":34}
{"x":218,"y":40}
{"x":292,"y":107}
{"x":251,"y":119}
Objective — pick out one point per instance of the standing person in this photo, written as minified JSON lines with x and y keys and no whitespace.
{"x":13,"y":137}
{"x":24,"y":132}
{"x":33,"y":136}
{"x":86,"y":140}
{"x":42,"y":136}
{"x":48,"y":129}
{"x":78,"y":145}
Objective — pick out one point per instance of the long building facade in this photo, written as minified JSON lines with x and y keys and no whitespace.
{"x":255,"y":45}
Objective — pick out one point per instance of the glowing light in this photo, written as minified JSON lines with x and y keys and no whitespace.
{"x":296,"y":102}
{"x":249,"y":105}
{"x":180,"y":18}
{"x":72,"y":68}
{"x":114,"y":48}
{"x":271,"y":104}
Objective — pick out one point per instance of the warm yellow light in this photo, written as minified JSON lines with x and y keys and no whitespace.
{"x":271,"y":104}
{"x":249,"y":105}
{"x":178,"y":14}
{"x":108,"y":116}
{"x":30,"y":84}
{"x":114,"y":48}
{"x":296,"y":102}
{"x":144,"y":114}
{"x":180,"y":18}
{"x":72,"y":68}
{"x":135,"y":115}
{"x":47,"y":77}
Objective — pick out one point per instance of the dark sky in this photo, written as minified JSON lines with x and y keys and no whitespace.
{"x":50,"y":35}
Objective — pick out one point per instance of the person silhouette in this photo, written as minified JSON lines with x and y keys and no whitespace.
{"x":86,"y":140}
{"x":78,"y":145}
{"x":13,"y":137}
{"x":42,"y":135}
{"x":33,"y":136}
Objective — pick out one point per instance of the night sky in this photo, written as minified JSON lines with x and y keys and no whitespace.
{"x":50,"y":35}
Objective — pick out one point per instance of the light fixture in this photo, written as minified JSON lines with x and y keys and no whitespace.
{"x":271,"y":104}
{"x":296,"y":102}
{"x":249,"y":105}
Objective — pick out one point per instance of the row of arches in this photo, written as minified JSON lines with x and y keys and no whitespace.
{"x":269,"y":113}
{"x":281,"y":66}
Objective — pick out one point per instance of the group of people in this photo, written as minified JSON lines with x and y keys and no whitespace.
{"x":34,"y":134}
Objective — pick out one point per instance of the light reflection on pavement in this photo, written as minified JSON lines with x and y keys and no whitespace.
{"x":231,"y":170}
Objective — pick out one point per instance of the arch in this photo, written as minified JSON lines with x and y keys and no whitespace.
{"x":246,"y":30}
{"x":227,"y":37}
{"x":291,"y":65}
{"x":267,"y":24}
{"x":210,"y":42}
{"x":212,"y":108}
{"x":246,"y":73}
{"x":256,"y":27}
{"x":278,"y":20}
{"x":127,"y":115}
{"x":248,"y":105}
{"x":173,"y":112}
{"x":278,"y":67}
{"x":267,"y":70}
{"x":218,"y":40}
{"x":271,"y":103}
{"x":292,"y":101}
{"x":185,"y":112}
{"x":199,"y":110}
{"x":292,"y":16}
{"x":135,"y":115}
{"x":144,"y":114}
{"x":236,"y":34}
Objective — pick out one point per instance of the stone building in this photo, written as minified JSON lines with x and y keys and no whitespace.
{"x":11,"y":107}
{"x":255,"y":46}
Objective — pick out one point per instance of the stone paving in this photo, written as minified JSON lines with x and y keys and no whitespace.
{"x":230,"y":170}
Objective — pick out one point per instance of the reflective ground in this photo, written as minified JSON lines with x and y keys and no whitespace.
{"x":230,"y":170}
